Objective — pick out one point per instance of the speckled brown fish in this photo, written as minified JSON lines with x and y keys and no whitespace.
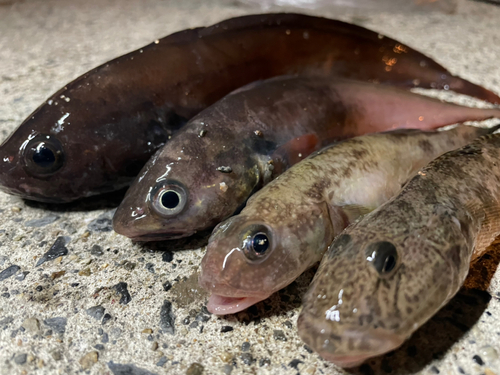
{"x":210,"y":167}
{"x":96,"y":133}
{"x":286,"y":227}
{"x":387,"y":274}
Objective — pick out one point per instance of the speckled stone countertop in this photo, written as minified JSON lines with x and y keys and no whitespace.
{"x":77,"y":298}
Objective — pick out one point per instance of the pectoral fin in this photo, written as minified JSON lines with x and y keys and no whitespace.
{"x":293,"y":151}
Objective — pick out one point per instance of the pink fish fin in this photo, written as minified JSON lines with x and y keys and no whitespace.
{"x":490,"y":228}
{"x":293,"y":151}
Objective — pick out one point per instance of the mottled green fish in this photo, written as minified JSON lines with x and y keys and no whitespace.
{"x":287,"y":226}
{"x":390,"y":272}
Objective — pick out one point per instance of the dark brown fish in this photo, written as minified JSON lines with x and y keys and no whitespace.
{"x":95,"y":134}
{"x":210,"y":167}
{"x":387,"y":274}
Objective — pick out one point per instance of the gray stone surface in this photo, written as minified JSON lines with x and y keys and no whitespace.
{"x":45,"y":44}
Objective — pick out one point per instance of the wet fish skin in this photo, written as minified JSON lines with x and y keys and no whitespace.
{"x":106,"y":124}
{"x":304,"y":209}
{"x":444,"y":218}
{"x":257,"y":125}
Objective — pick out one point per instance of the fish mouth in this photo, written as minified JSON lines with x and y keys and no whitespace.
{"x":222,"y":305}
{"x":158,"y":236}
{"x":334,"y":344}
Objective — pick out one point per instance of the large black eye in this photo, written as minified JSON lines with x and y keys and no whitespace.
{"x":257,"y":242}
{"x":43,"y":155}
{"x":168,"y":198}
{"x":383,"y":256}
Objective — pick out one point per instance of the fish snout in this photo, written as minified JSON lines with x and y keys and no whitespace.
{"x":344,"y":345}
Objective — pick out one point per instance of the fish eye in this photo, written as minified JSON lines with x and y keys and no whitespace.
{"x":257,"y":243}
{"x":383,"y":256}
{"x":43,"y":155}
{"x":168,"y":198}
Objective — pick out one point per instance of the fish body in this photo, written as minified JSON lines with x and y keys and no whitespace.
{"x":230,"y":150}
{"x":387,"y":274}
{"x":95,"y":134}
{"x":287,"y":226}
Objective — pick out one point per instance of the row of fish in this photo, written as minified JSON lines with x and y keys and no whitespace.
{"x":209,"y":157}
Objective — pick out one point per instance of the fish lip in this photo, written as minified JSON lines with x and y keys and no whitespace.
{"x":382,"y":341}
{"x":223,"y":305}
{"x":158,"y":236}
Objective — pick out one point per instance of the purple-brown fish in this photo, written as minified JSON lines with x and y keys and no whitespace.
{"x":387,"y":274}
{"x":287,"y":226}
{"x":95,"y":134}
{"x":230,"y":150}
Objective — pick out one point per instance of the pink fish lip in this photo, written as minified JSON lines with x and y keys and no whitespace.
{"x":222,"y":305}
{"x":157,"y":236}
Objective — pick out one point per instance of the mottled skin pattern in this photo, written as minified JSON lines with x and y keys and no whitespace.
{"x":110,"y":120}
{"x":255,"y":126}
{"x":311,"y":203}
{"x":443,"y":219}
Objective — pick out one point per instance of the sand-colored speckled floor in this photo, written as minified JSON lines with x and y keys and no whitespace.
{"x":103,"y":306}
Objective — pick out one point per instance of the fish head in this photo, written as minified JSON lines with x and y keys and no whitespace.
{"x":377,"y":284}
{"x":191,"y":184}
{"x":251,"y":256}
{"x":79,"y":143}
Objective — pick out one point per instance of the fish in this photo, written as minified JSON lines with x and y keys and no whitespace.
{"x":287,"y":226}
{"x":230,"y":150}
{"x":95,"y":134}
{"x":391,"y":271}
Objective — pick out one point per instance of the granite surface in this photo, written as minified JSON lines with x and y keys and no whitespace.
{"x":77,"y":298}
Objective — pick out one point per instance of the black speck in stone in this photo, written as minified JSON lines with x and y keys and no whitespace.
{"x":105,"y":338}
{"x":247,"y":358}
{"x":245,"y":347}
{"x":164,"y":345}
{"x":37,"y":223}
{"x":57,"y":250}
{"x":201,"y":329}
{"x":39,"y":288}
{"x":264,"y":362}
{"x":14,"y":333}
{"x":99,"y":346}
{"x":103,"y":223}
{"x":412,"y":350}
{"x":42,"y":244}
{"x":15,"y":292}
{"x":174,"y":266}
{"x":74,"y":285}
{"x":113,"y":342}
{"x":161,"y":361}
{"x":6,"y":321}
{"x":225,"y":329}
{"x":100,"y":331}
{"x":167,"y":256}
{"x":22,"y":275}
{"x":365,"y":369}
{"x":478,"y":360}
{"x":20,"y":359}
{"x":194,"y":324}
{"x":461,"y":370}
{"x":48,"y":333}
{"x":116,"y":251}
{"x":278,"y":334}
{"x":22,"y":329}
{"x":96,"y":312}
{"x":202,"y":318}
{"x":127,"y":369}
{"x":167,"y":318}
{"x":5,"y":295}
{"x":150,"y":338}
{"x":435,"y":370}
{"x":105,"y":318}
{"x":167,"y":285}
{"x":96,"y":250}
{"x":150,"y":267}
{"x":308,"y":349}
{"x":58,"y":324}
{"x":8,"y":272}
{"x":186,"y":320}
{"x":295,"y":363}
{"x":488,"y":313}
{"x":121,"y":288}
{"x":205,"y":311}
{"x":141,"y":259}
{"x":288,"y":324}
